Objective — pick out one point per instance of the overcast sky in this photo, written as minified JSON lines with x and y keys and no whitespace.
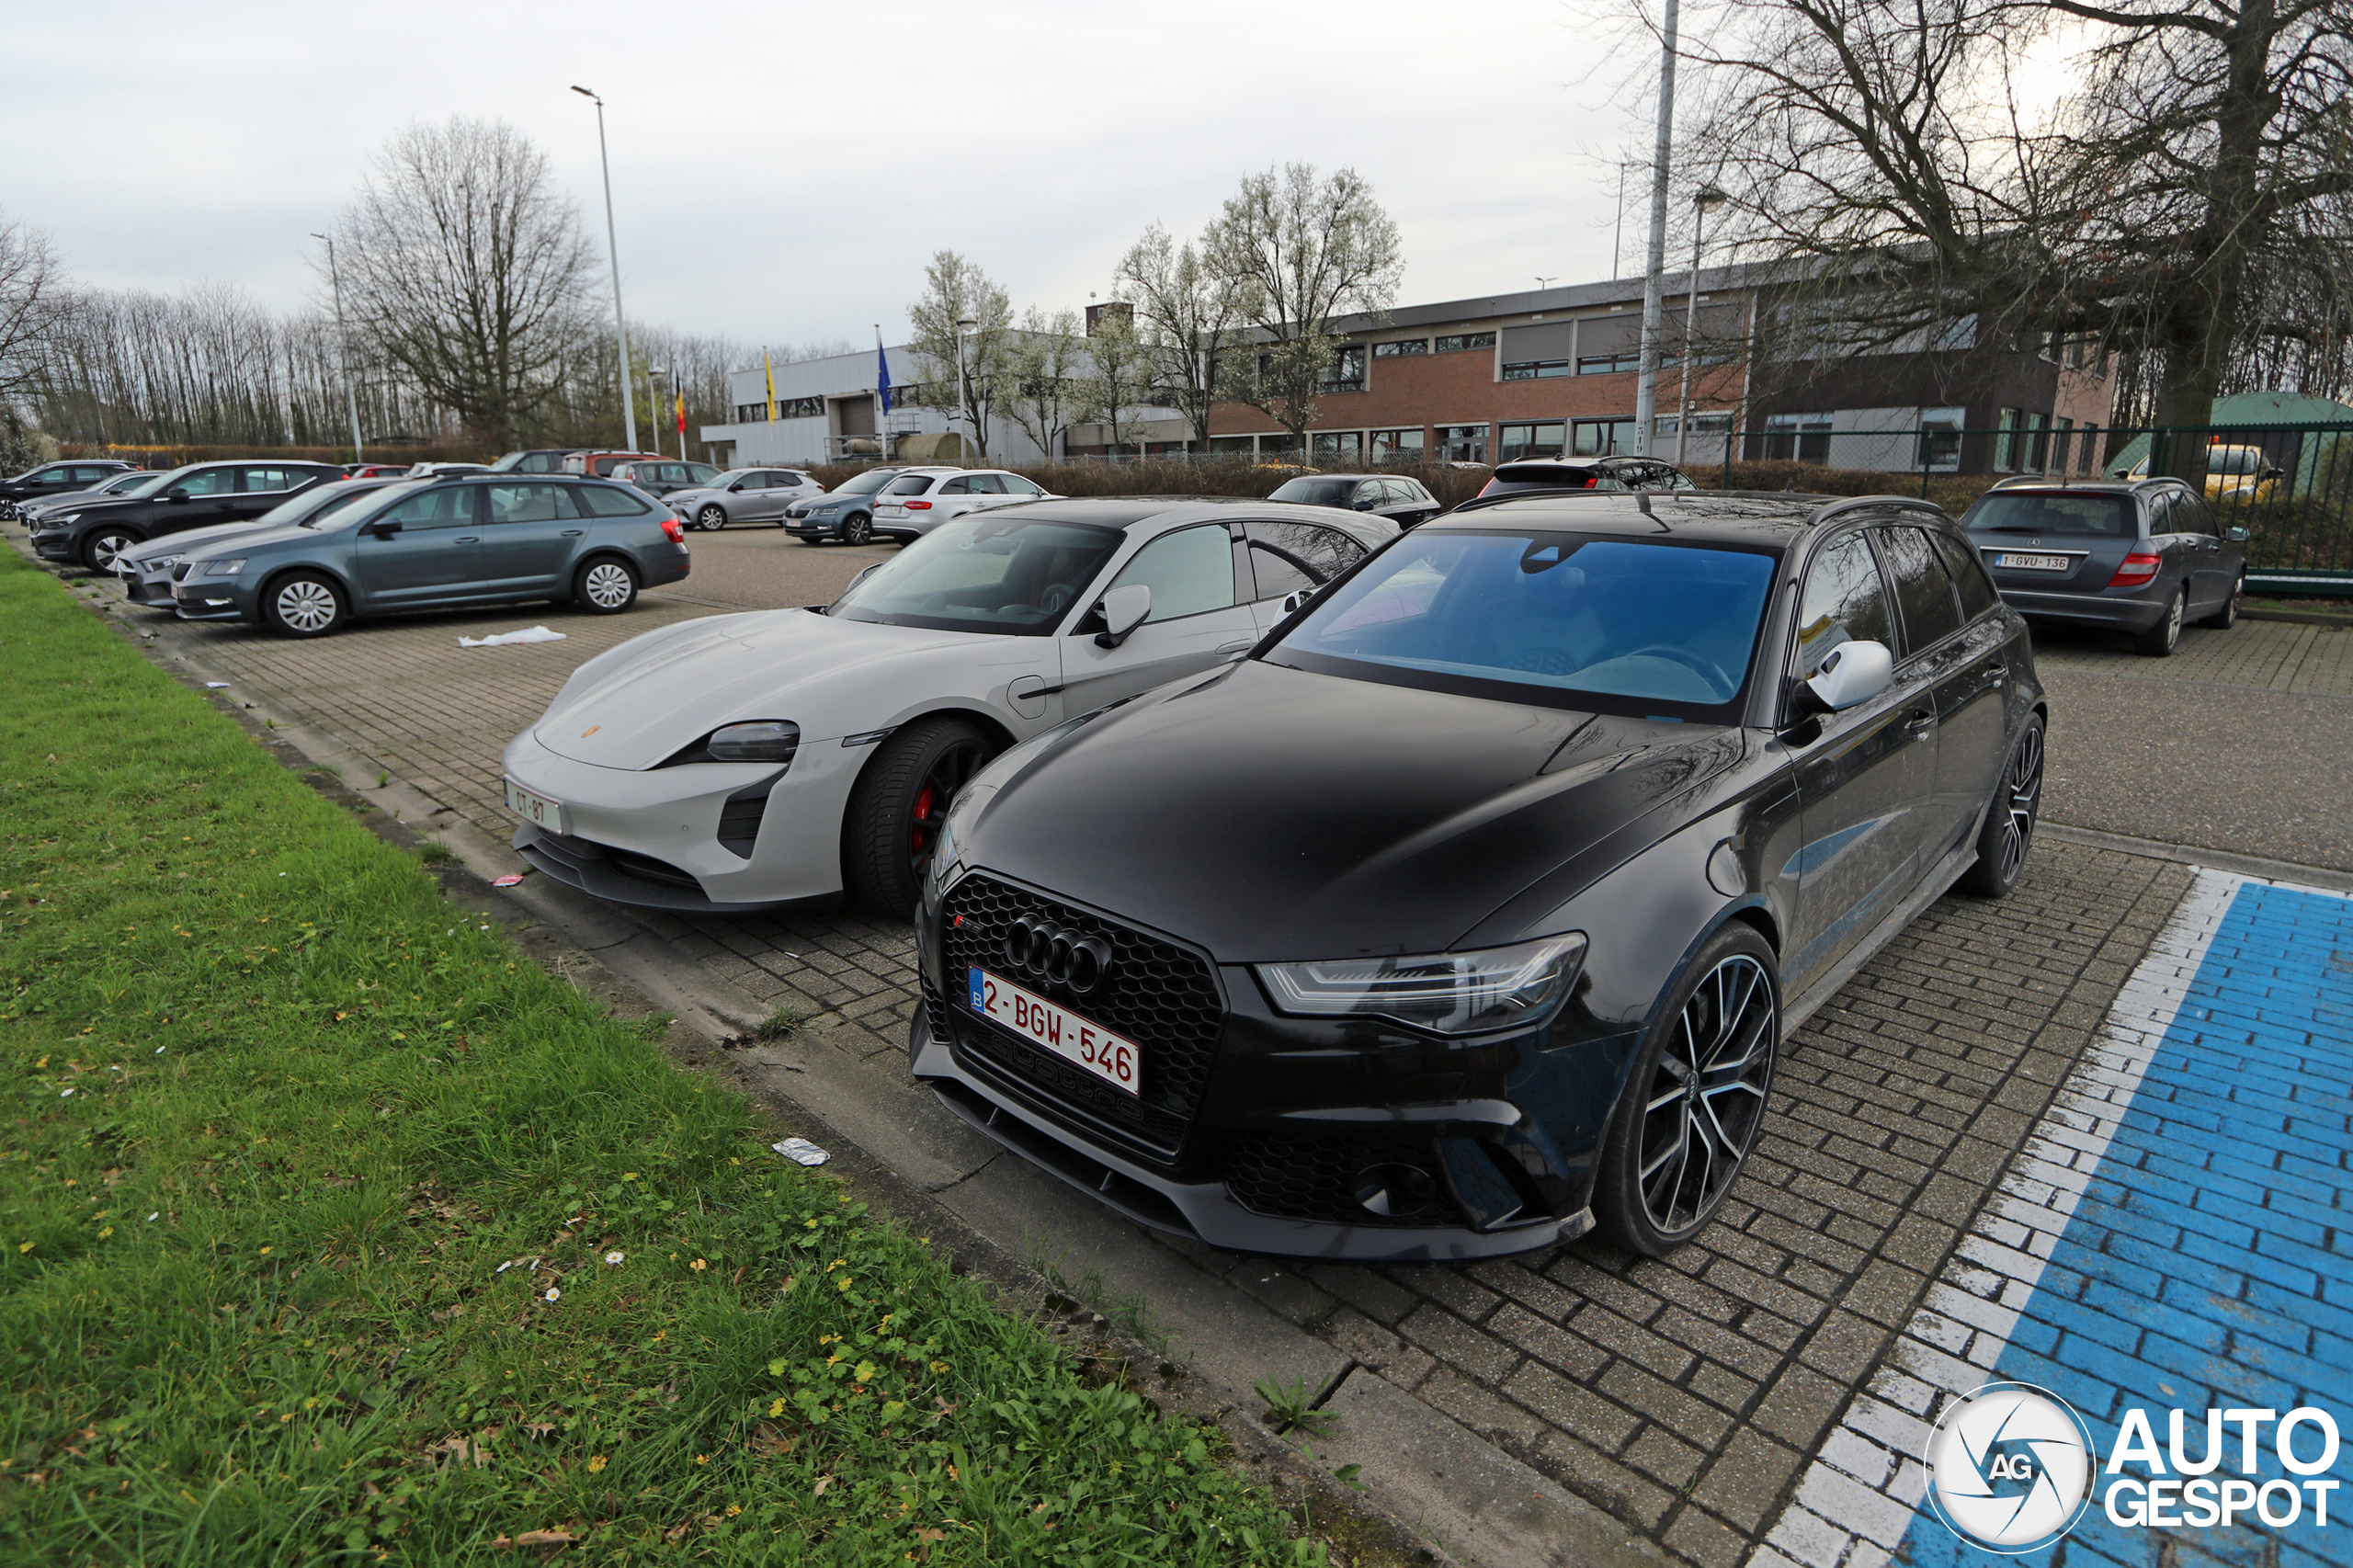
{"x":782,"y":172}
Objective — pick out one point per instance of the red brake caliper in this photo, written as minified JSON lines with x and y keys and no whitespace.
{"x":923,"y":821}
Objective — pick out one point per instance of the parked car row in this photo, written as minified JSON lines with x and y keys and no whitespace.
{"x":1303,"y":885}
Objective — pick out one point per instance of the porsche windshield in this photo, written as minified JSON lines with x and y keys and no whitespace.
{"x":1624,"y":626}
{"x":984,"y":573}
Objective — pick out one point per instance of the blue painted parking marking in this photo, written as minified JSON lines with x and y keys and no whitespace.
{"x":2178,"y":1236}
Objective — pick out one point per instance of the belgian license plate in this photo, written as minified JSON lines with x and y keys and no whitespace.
{"x":1076,"y":1040}
{"x":2032,"y":563}
{"x":536,"y":810}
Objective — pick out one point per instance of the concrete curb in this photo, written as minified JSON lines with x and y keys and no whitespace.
{"x":2191,"y":855}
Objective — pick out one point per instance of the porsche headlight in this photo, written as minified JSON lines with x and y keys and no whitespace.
{"x":1492,"y":988}
{"x":763,"y":740}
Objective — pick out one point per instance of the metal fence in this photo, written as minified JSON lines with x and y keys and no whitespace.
{"x":2290,"y":485}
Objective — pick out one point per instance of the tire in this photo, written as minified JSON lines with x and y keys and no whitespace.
{"x":712,"y":518}
{"x":103,"y":545}
{"x":606,"y":585}
{"x":2161,"y":639}
{"x":1650,"y":1196}
{"x":895,"y":810}
{"x":2223,"y":619}
{"x":2010,"y":817}
{"x":858,"y":529}
{"x":305,"y":604}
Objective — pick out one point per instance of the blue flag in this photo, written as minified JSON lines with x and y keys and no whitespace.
{"x":882,"y":370}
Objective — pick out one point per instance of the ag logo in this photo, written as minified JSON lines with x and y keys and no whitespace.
{"x":2010,"y":1468}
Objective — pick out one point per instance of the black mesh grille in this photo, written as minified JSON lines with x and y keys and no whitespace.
{"x":1161,"y":996}
{"x":1291,"y":1177}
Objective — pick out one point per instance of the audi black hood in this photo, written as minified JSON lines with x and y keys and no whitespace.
{"x":1270,"y":814}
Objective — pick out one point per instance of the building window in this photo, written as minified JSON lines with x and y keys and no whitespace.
{"x":1961,"y":333}
{"x":1940,"y":438}
{"x":2090,"y":459}
{"x":1603,"y":438}
{"x":1347,"y":371}
{"x":1609,"y":364}
{"x":1460,"y":341}
{"x":1802,"y":437}
{"x":1710,"y":432}
{"x":1278,"y":446}
{"x":1340,"y":446}
{"x":812,"y":407}
{"x":1397,"y":446}
{"x":1462,"y":443}
{"x":1398,"y":350}
{"x":1231,"y":446}
{"x":2038,"y":444}
{"x":2063,"y":446}
{"x":1536,"y":370}
{"x":751,"y":414}
{"x":1539,"y":438}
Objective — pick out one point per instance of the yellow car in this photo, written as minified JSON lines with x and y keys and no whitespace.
{"x":2233,"y":473}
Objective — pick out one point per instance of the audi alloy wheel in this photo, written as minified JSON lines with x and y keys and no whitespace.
{"x":2009,"y":819}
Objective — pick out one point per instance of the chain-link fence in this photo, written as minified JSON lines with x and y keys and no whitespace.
{"x":2290,"y":485}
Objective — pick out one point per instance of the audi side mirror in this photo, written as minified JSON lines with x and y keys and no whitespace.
{"x":1122,"y":610}
{"x":1852,"y":673}
{"x":2235,"y":535}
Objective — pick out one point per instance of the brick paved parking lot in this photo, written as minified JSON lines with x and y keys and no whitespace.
{"x":1695,"y":1398}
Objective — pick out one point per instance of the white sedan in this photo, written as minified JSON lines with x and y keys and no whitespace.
{"x":794,"y":757}
{"x":922,"y":499}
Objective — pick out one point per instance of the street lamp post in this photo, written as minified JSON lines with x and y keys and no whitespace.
{"x":1707,"y":196}
{"x":964,"y":381}
{"x":612,"y":250}
{"x":343,"y":335}
{"x":1654,"y":273}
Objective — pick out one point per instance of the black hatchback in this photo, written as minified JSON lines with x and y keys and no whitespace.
{"x":1469,"y":910}
{"x":1403,"y":501}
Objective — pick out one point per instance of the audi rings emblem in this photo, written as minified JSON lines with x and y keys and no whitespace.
{"x":1043,"y":950}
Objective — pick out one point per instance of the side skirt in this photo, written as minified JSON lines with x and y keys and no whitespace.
{"x":1932,"y":888}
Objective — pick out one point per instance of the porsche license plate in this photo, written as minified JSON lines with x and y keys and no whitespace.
{"x":2032,"y":563}
{"x":1081,"y":1041}
{"x":536,"y":810}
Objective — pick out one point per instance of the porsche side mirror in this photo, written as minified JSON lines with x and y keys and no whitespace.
{"x":1853,"y":672}
{"x":1295,"y":601}
{"x":1122,"y":610}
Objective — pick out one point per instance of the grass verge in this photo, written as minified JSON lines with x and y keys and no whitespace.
{"x":333,"y":1229}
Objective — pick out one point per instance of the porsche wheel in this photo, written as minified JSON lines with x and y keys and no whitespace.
{"x":1695,"y":1101}
{"x":893,"y":823}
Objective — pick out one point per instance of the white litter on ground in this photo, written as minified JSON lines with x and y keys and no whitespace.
{"x":501,"y":638}
{"x":801,"y":1152}
{"x":214,"y":685}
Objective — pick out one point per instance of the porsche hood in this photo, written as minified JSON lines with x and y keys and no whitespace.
{"x":656,"y":695}
{"x":1272,"y":815}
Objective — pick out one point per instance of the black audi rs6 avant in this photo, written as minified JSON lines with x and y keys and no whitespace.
{"x":1469,"y":910}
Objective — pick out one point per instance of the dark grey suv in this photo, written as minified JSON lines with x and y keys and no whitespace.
{"x":1403,"y":501}
{"x":434,"y":543}
{"x":2145,"y":557}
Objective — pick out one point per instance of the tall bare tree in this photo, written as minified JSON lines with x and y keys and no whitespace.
{"x":1187,"y":313}
{"x":28,"y":304}
{"x":1879,"y":145}
{"x":1118,"y":376}
{"x":973,"y":385}
{"x":1298,"y":253}
{"x":468,"y":269}
{"x":1045,"y":362}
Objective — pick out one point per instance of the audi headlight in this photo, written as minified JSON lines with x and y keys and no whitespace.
{"x":764,"y":740}
{"x":1493,"y":988}
{"x":223,"y":568}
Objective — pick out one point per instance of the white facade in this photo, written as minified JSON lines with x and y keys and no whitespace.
{"x":830,"y":402}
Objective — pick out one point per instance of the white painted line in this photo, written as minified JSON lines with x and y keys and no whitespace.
{"x":1859,"y":1496}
